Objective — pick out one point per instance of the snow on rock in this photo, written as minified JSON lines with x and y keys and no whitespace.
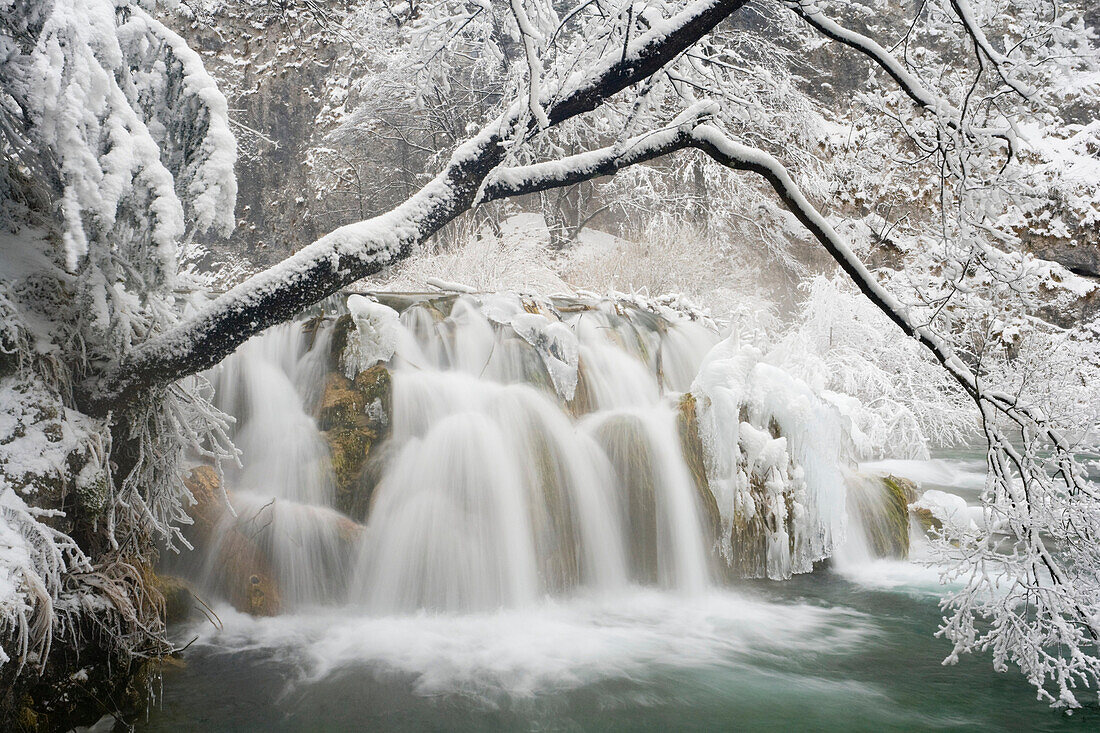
{"x":951,"y":511}
{"x":768,"y":458}
{"x":557,"y":346}
{"x":554,"y":341}
{"x":448,"y":286}
{"x":374,"y":338}
{"x":39,"y":440}
{"x":501,"y":307}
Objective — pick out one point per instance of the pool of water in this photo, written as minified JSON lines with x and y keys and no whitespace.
{"x":839,"y":649}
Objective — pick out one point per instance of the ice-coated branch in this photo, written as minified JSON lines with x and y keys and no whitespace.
{"x":354,"y":251}
{"x":531,"y":40}
{"x":573,"y":169}
{"x":907,"y":81}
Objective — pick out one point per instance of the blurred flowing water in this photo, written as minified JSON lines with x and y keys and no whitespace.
{"x":529,"y":562}
{"x":822,"y":651}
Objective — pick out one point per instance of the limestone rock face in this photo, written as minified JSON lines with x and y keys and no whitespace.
{"x":247,"y":577}
{"x":581,"y":403}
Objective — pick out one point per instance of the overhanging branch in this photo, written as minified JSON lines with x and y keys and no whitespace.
{"x":363,"y":248}
{"x":908,"y":82}
{"x":357,"y":250}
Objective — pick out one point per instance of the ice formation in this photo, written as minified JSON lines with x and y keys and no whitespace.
{"x":767,"y":431}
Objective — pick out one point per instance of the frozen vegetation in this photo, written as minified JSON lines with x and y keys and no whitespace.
{"x":543,"y":297}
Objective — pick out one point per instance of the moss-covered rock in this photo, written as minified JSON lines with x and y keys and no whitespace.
{"x":881,"y":506}
{"x":179,"y":599}
{"x":900,"y":493}
{"x":355,"y":417}
{"x":341,"y":403}
{"x":691,"y":445}
{"x":928,"y":521}
{"x":80,"y":685}
{"x":91,"y":491}
{"x":208,"y":504}
{"x":340,"y":331}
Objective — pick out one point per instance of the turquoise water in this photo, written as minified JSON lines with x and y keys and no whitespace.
{"x":850,"y":649}
{"x":818,"y":652}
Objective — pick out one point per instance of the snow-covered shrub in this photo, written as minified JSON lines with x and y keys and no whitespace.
{"x":515,"y":259}
{"x":901,"y":402}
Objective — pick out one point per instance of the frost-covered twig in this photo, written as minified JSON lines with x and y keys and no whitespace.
{"x":907,"y":81}
{"x":531,"y":40}
{"x":985,"y":48}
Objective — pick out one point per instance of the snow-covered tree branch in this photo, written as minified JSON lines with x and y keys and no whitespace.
{"x":352,"y":252}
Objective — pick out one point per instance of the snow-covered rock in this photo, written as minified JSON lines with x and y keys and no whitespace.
{"x":949,"y":510}
{"x":557,"y":346}
{"x":374,"y":338}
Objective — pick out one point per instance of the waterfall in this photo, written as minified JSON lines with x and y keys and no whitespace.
{"x":463,"y":453}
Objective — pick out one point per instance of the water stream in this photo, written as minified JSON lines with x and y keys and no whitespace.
{"x":527,"y":546}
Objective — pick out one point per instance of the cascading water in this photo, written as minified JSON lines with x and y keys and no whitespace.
{"x":511,"y":450}
{"x":487,"y":511}
{"x":284,"y":488}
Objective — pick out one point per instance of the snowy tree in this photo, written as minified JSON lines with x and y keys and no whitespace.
{"x":116,"y":150}
{"x":957,"y":143}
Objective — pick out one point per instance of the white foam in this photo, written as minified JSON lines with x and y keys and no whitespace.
{"x":558,"y":645}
